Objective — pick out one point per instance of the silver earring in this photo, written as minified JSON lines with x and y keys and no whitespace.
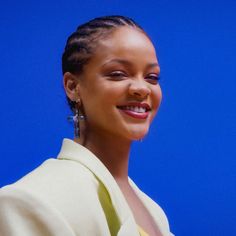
{"x":76,"y":123}
{"x":80,"y":116}
{"x":75,"y":119}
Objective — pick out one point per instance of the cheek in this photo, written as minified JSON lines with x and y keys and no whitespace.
{"x":156,"y":101}
{"x":156,"y":97}
{"x":99,"y":101}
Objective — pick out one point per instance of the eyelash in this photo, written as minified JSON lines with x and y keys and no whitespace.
{"x":154,"y":79}
{"x":117,"y":74}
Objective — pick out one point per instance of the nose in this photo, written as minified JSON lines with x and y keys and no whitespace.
{"x":139,"y":89}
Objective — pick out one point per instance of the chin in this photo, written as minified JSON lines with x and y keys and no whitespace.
{"x":138,"y":134}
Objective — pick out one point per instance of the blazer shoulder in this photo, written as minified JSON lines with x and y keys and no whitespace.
{"x":63,"y":184}
{"x":56,"y":176}
{"x":30,"y":215}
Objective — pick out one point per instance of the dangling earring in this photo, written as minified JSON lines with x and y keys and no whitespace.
{"x":76,"y":118}
{"x":80,"y":116}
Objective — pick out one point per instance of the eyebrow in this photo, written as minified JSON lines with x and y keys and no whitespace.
{"x":128,"y":63}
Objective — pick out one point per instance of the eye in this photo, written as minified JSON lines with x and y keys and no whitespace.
{"x":117,"y":75}
{"x":153,"y":78}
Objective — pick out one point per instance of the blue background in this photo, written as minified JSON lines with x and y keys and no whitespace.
{"x":187,"y":162}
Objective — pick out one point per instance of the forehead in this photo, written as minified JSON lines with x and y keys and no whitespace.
{"x":125,"y":42}
{"x":126,"y":35}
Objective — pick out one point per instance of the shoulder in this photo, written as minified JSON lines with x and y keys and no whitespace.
{"x":54,"y":176}
{"x":56,"y":180}
{"x":61,"y":188}
{"x":30,"y":215}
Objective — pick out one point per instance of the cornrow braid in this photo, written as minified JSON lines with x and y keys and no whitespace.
{"x":81,"y":44}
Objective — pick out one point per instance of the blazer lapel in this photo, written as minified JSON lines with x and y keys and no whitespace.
{"x":74,"y":151}
{"x":128,"y":228}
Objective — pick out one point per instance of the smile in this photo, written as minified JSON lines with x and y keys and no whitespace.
{"x":134,"y":108}
{"x":138,"y":110}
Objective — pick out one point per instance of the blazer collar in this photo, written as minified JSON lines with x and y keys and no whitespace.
{"x":71,"y":150}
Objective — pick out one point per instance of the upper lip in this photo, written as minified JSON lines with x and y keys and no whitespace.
{"x":136,"y":104}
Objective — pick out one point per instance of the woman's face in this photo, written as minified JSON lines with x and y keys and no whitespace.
{"x":119,"y":88}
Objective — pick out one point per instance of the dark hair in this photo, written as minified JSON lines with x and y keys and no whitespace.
{"x":81,"y":44}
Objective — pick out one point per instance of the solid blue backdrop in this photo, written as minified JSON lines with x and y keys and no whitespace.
{"x":187,"y":162}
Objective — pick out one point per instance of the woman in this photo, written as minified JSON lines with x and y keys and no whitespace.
{"x":110,"y":75}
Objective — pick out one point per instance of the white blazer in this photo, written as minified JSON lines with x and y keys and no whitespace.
{"x":73,"y":195}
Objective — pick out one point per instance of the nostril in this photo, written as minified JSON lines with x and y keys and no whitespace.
{"x":137,"y":94}
{"x":139,"y":89}
{"x":142,"y":93}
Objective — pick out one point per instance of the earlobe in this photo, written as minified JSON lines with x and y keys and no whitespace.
{"x":71,"y":86}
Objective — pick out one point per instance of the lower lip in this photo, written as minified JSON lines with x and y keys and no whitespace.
{"x":135,"y":114}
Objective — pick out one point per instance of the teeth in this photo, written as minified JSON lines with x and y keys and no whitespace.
{"x":135,"y":109}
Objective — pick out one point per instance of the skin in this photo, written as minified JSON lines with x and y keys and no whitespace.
{"x":123,"y":69}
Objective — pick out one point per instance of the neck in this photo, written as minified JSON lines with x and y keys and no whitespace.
{"x":112,"y":151}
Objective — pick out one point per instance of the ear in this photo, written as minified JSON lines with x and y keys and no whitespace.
{"x":71,"y":86}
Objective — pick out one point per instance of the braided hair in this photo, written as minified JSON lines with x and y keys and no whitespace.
{"x":81,"y":44}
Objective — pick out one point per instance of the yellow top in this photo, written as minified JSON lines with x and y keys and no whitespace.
{"x":142,"y":232}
